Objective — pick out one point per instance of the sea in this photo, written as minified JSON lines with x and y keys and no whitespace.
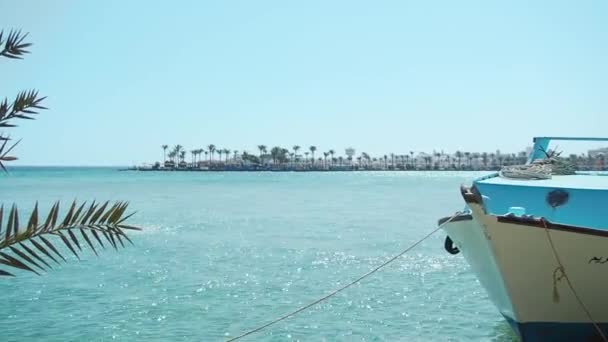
{"x":222,"y":253}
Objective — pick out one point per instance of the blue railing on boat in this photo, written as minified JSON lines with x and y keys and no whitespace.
{"x":542,"y":143}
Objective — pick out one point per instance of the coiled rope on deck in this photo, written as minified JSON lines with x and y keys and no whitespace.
{"x":335,"y":292}
{"x":540,"y":168}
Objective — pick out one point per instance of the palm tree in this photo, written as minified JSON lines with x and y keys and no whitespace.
{"x":458,"y":155}
{"x":165,"y":152}
{"x":219,"y":153}
{"x":172,"y":155}
{"x":306,"y":157}
{"x":366,"y":158}
{"x":278,"y":155}
{"x":196,"y":153}
{"x":437,"y":156}
{"x":227,"y":154}
{"x":178,"y":149}
{"x":448,"y":161}
{"x":493,"y":159}
{"x":295,"y":153}
{"x":201,"y":152}
{"x":332,"y":152}
{"x":385,"y":162}
{"x":193,"y":152}
{"x":325,"y":154}
{"x":206,"y":153}
{"x":235,"y":153}
{"x":428,"y":161}
{"x":312,"y":151}
{"x":211,"y":149}
{"x":262,"y":149}
{"x":476,"y":156}
{"x":283,"y":155}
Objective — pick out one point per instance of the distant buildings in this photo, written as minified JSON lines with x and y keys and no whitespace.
{"x":598,"y":152}
{"x":350,"y":152}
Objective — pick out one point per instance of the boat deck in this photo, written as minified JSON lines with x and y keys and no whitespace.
{"x":597,"y":181}
{"x":585,"y":198}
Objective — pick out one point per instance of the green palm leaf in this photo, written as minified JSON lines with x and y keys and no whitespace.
{"x":33,"y":246}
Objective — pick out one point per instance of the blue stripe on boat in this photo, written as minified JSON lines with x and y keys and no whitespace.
{"x":554,"y":331}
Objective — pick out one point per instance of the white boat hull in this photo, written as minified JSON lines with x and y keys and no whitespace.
{"x":469,"y":238}
{"x":516,"y":265}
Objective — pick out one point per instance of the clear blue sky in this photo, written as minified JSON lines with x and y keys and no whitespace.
{"x":124,"y":77}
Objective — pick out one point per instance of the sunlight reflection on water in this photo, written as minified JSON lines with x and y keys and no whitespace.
{"x":221,"y":253}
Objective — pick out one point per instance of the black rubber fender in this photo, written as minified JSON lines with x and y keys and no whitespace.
{"x":449,"y":246}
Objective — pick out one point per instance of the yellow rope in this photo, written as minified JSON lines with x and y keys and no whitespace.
{"x":333,"y":293}
{"x":556,"y":278}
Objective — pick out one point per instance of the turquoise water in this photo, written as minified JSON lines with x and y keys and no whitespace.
{"x":225,"y":252}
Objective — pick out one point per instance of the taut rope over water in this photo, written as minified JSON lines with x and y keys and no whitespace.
{"x":335,"y":292}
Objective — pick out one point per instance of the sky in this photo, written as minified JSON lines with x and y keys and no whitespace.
{"x":124,"y":77}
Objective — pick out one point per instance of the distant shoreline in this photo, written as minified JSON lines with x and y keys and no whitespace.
{"x":149,"y":169}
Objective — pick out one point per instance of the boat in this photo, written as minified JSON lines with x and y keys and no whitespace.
{"x":537,"y":241}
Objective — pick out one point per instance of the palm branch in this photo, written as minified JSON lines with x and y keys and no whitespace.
{"x":24,"y":106}
{"x":14,"y":47}
{"x":34,"y":246}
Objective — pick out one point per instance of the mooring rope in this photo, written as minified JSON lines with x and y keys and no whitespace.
{"x":537,"y":170}
{"x":562,"y":269}
{"x":335,"y":292}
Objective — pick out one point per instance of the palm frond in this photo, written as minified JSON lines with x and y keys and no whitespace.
{"x":14,"y":47}
{"x":33,"y":246}
{"x":25,"y":105}
{"x":4,"y":151}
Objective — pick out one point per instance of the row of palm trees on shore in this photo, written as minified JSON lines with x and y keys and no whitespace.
{"x":176,"y":157}
{"x":278,"y":155}
{"x":293,"y":158}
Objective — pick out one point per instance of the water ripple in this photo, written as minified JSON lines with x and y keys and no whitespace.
{"x":222,"y":253}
